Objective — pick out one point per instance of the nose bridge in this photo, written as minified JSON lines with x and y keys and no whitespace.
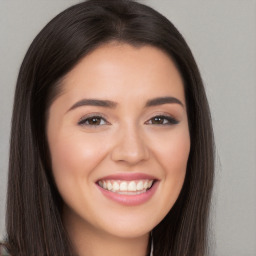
{"x":130,"y":144}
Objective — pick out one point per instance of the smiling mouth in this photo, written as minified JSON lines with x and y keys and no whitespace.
{"x":132,"y":187}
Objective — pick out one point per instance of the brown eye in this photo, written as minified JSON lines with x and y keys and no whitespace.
{"x":158,"y":120}
{"x":93,"y":121}
{"x":162,"y":120}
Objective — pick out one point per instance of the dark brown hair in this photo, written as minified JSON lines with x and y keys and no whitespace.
{"x":33,"y":219}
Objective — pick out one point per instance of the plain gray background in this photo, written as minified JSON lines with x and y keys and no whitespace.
{"x":222,"y":36}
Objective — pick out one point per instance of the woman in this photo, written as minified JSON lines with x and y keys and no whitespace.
{"x":111,"y":145}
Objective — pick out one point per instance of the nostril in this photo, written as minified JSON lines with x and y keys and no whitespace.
{"x":130,"y":152}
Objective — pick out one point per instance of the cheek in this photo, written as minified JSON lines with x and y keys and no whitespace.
{"x":172,"y":151}
{"x":175,"y":159}
{"x":74,"y":156}
{"x":172,"y":154}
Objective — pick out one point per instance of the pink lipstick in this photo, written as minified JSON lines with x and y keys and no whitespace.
{"x":128,"y":188}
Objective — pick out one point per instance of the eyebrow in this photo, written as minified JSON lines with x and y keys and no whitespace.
{"x":94,"y":102}
{"x":112,"y":104}
{"x":163,"y":100}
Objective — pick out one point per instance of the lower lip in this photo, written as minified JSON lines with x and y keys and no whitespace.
{"x":130,"y":200}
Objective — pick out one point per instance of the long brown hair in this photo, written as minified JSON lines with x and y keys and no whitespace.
{"x":33,"y":219}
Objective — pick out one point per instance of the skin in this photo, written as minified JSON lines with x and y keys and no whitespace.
{"x":127,"y":140}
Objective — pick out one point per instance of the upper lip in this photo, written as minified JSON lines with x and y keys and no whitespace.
{"x":128,"y":177}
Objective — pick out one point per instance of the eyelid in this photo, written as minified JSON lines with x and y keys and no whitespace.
{"x":83,"y":119}
{"x":171,"y":120}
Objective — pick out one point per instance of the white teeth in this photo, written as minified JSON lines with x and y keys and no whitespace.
{"x":132,"y":186}
{"x":139,"y":185}
{"x":115,"y":186}
{"x":126,"y":187}
{"x":109,"y":185}
{"x":123,"y":186}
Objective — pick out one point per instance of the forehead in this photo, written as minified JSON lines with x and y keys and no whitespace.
{"x":123,"y":71}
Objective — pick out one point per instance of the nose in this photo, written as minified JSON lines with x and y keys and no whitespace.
{"x":130,"y":146}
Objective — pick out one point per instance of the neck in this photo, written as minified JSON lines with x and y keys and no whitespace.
{"x":89,"y":241}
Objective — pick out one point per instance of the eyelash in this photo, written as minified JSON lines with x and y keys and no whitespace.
{"x":167,"y":120}
{"x":83,"y":121}
{"x":170,"y":120}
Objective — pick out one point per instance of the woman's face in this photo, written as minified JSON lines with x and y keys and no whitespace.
{"x":119,"y":140}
